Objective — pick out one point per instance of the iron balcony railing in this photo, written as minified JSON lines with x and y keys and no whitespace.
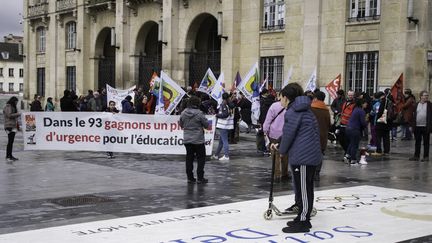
{"x":136,"y":2}
{"x":98,"y":2}
{"x":66,"y":5}
{"x":99,"y":5}
{"x":38,"y":9}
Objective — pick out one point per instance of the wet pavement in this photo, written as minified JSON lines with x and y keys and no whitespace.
{"x":53,"y":188}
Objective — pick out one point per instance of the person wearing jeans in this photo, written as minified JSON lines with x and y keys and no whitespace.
{"x":356,"y":124}
{"x":10,"y":125}
{"x":225,"y":123}
{"x":423,"y":126}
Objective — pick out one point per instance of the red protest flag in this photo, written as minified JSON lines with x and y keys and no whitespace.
{"x":334,"y":86}
{"x":397,"y":93}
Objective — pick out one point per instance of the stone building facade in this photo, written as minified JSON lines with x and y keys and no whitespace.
{"x":11,"y":67}
{"x":84,"y":44}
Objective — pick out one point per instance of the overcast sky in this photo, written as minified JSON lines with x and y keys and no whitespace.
{"x":10,"y":18}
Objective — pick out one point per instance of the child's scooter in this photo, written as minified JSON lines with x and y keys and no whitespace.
{"x":268,"y":214}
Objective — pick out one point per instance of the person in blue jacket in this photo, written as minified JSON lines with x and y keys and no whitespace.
{"x":300,"y":140}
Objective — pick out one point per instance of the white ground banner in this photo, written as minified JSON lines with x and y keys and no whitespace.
{"x":118,"y":95}
{"x":104,"y":131}
{"x":355,"y":214}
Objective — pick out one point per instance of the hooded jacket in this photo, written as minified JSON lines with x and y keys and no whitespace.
{"x":322,"y":114}
{"x":301,"y":138}
{"x":127,"y":107}
{"x":193,"y":122}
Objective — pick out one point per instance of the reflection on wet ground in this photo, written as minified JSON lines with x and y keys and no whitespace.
{"x":137,"y":184}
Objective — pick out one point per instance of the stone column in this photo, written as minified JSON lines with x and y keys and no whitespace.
{"x":51,"y":52}
{"x":311,"y":38}
{"x":173,"y":59}
{"x":28,"y":70}
{"x":122,"y":46}
{"x":84,"y":65}
{"x":230,"y":48}
{"x":250,"y":35}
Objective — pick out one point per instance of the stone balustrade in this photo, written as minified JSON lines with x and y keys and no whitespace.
{"x":66,"y":5}
{"x":38,"y":9}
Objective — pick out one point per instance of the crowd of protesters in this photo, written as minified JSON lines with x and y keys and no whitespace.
{"x":293,"y":126}
{"x":356,"y":117}
{"x":355,"y":113}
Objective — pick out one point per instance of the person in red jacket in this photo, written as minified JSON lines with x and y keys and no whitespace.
{"x":345,"y":114}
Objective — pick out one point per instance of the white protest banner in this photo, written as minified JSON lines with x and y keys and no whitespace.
{"x":218,"y":89}
{"x":255,"y":110}
{"x":172,"y":93}
{"x":208,"y":82}
{"x":288,"y":77}
{"x":117,"y":95}
{"x":249,"y":85}
{"x":311,"y":84}
{"x":160,"y":104}
{"x":104,"y":131}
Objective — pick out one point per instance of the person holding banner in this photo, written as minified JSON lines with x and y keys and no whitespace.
{"x":127,"y":105}
{"x":193,"y":122}
{"x":111,"y":108}
{"x":49,"y":105}
{"x":67,"y":102}
{"x":225,"y":122}
{"x":11,"y":115}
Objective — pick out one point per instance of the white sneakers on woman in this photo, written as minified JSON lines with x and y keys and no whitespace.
{"x":223,"y":158}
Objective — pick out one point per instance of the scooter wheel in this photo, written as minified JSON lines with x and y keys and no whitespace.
{"x":268,"y":215}
{"x":314,"y":212}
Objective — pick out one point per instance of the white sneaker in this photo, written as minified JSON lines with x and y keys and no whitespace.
{"x":223,"y":158}
{"x":363,"y":160}
{"x":214,"y":157}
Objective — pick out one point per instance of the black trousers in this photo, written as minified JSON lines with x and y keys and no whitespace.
{"x":342,"y":138}
{"x":419,"y":134}
{"x":11,"y":138}
{"x":384,"y":136}
{"x":192,"y":151}
{"x":304,"y":190}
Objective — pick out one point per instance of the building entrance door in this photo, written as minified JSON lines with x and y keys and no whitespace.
{"x":206,"y":51}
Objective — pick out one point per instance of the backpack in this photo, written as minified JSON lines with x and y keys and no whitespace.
{"x":391,"y":111}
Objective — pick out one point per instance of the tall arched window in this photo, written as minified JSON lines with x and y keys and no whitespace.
{"x":71,"y":35}
{"x":41,"y":39}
